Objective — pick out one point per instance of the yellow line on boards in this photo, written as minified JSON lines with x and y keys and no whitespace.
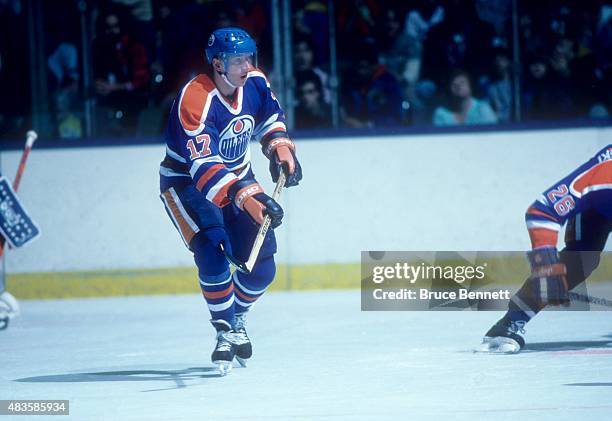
{"x":107,"y":283}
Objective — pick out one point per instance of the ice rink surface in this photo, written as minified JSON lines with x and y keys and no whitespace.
{"x":316,"y":356}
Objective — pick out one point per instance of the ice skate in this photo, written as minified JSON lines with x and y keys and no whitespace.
{"x":241,"y":340}
{"x":504,"y":337}
{"x":224,"y":351}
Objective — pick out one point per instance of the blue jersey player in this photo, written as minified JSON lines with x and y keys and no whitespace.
{"x":209,"y":189}
{"x":583,"y":199}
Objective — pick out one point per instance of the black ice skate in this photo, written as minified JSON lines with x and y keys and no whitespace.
{"x":504,"y":337}
{"x":225,"y":350}
{"x":241,"y":340}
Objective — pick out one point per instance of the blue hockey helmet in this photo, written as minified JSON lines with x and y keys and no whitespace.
{"x":226,"y":42}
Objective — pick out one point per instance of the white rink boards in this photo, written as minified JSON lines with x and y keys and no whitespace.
{"x":464,"y":191}
{"x":316,"y":356}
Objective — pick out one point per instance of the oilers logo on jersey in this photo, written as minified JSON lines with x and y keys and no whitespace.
{"x":234,"y":139}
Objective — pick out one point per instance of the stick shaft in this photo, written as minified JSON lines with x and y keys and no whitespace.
{"x":263,"y":229}
{"x":22,"y":163}
{"x":590,"y":299}
{"x":31,"y":137}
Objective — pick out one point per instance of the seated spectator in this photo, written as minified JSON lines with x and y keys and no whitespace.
{"x":371,"y":95}
{"x":311,"y":112}
{"x":462,"y":107}
{"x":64,"y":86}
{"x":404,"y":57}
{"x":311,"y":19}
{"x":549,"y":88}
{"x":303,"y":61}
{"x":499,"y":92}
{"x":121,"y":73}
{"x":536,"y":88}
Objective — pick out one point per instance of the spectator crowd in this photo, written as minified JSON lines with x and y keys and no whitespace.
{"x":416,"y":63}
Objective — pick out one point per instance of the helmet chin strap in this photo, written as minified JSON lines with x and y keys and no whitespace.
{"x":226,"y":80}
{"x":224,"y":75}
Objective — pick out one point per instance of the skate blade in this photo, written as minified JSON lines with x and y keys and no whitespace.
{"x":242,"y":361}
{"x":498,"y":345}
{"x":224,"y":367}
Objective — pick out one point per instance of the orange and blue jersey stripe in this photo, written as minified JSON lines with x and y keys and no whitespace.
{"x":589,"y":186}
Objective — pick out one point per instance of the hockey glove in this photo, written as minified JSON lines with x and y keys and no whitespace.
{"x":249,"y":196}
{"x":217,"y":236}
{"x":280,"y":150}
{"x":548,"y":276}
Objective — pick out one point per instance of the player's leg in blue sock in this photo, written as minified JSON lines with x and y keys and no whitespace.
{"x":215,"y":279}
{"x":250,"y":287}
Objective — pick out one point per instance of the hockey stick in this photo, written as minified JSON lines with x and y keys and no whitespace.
{"x":234,"y":262}
{"x":31,"y":137}
{"x":247,"y":266}
{"x":263,"y":230}
{"x":590,"y":299}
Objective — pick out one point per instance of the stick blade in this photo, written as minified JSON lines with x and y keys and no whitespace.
{"x":240,"y":266}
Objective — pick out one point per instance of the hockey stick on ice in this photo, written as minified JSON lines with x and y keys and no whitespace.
{"x":31,"y":137}
{"x":590,"y":299}
{"x":247,"y":266}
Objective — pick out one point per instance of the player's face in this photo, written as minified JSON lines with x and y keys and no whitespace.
{"x":237,"y":68}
